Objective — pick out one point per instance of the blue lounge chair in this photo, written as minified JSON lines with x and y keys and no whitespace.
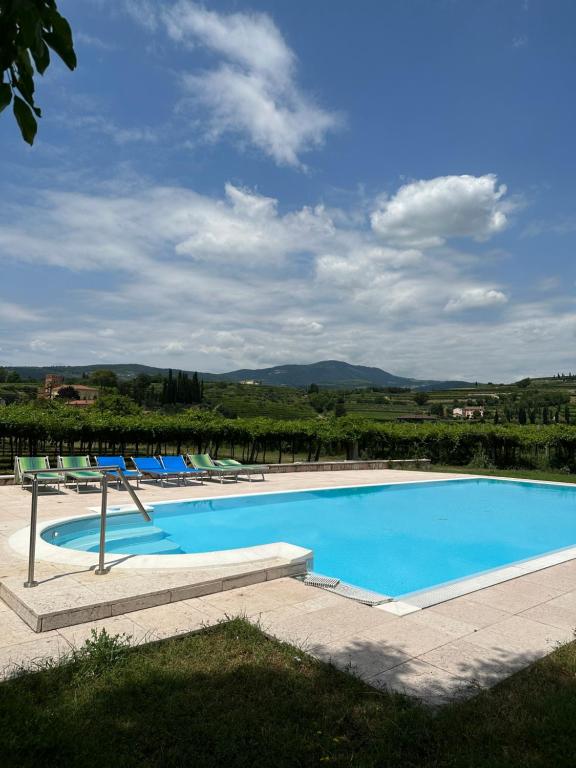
{"x":178,"y":464}
{"x":150,"y":466}
{"x":107,"y":461}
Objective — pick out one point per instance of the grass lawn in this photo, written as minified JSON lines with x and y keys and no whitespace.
{"x":528,"y":474}
{"x":229,"y":696}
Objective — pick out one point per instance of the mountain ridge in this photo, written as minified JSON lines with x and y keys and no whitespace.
{"x":325,"y":373}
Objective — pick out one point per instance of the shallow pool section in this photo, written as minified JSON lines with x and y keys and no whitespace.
{"x":392,"y":539}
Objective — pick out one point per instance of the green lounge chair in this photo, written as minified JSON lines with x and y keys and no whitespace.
{"x":24,"y":463}
{"x":77,"y":468}
{"x":249,"y":469}
{"x":204,"y":462}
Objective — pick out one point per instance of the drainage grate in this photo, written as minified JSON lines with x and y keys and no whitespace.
{"x":323,"y":582}
{"x":338,"y":587}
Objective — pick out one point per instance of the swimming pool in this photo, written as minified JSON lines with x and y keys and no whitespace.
{"x":391,"y":539}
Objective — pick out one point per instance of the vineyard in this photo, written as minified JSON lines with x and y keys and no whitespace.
{"x":51,"y":429}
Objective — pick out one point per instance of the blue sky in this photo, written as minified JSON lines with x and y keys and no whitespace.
{"x":387,"y":182}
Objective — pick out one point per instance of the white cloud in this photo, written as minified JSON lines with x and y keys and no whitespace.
{"x":519,"y":41}
{"x":93,"y":42}
{"x":40,"y":345}
{"x":216,"y":283}
{"x":17,"y":313}
{"x":476,"y":298}
{"x":253,"y":92}
{"x":109,"y":128}
{"x":428,"y":212}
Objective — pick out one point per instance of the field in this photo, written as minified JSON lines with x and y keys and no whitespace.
{"x":249,"y":401}
{"x":235,"y":400}
{"x":246,"y":401}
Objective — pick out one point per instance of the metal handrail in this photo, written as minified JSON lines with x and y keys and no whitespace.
{"x":104,"y":471}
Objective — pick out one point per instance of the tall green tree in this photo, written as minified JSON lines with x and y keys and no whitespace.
{"x":104,"y":378}
{"x":29,"y":29}
{"x":68,"y":393}
{"x":196,"y":389}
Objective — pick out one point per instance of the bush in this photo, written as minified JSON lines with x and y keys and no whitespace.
{"x":100,"y":652}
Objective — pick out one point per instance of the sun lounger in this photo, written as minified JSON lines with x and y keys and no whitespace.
{"x":177,"y":464}
{"x":204,"y":462}
{"x":249,"y":469}
{"x":110,"y":461}
{"x":150,"y":466}
{"x":24,"y":463}
{"x":77,"y":468}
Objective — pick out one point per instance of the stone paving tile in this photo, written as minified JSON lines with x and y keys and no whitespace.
{"x":358,"y":655}
{"x":463,"y":609}
{"x":474,"y":663}
{"x":269,"y":596}
{"x":514,"y":596}
{"x":553,"y":614}
{"x":32,"y":654}
{"x":440,"y":622}
{"x":289,"y":590}
{"x":527,"y":639}
{"x":319,"y":599}
{"x":115,"y":625}
{"x":244,"y":602}
{"x":567,"y":600}
{"x":13,"y":630}
{"x":286,"y":613}
{"x":524,"y":628}
{"x":327,"y":624}
{"x":171,"y":620}
{"x":430,"y":684}
{"x":554,"y":577}
{"x":412,"y":639}
{"x":569,"y":567}
{"x":212,"y":614}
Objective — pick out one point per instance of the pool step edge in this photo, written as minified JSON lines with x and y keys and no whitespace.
{"x":50,"y":608}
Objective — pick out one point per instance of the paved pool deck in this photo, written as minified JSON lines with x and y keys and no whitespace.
{"x":437,"y":653}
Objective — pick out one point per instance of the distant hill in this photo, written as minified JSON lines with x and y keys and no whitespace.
{"x":328,"y":373}
{"x":332,"y":373}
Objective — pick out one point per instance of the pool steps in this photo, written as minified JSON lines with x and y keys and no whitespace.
{"x":116,"y":541}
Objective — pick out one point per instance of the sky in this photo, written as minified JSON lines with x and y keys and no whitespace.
{"x":245,"y":184}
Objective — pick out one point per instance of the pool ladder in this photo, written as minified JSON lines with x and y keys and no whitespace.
{"x":101,"y":570}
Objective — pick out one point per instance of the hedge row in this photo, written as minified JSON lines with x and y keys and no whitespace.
{"x":51,"y":428}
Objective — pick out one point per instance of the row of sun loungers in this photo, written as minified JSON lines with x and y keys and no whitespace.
{"x":78,"y":469}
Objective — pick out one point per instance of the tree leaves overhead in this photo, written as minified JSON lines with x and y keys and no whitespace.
{"x":25,"y":119}
{"x":28,"y":30}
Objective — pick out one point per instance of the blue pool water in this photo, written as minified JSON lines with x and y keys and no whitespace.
{"x":392,"y":539}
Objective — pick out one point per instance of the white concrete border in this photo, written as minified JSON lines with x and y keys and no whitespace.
{"x":20,"y":541}
{"x":424,"y":598}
